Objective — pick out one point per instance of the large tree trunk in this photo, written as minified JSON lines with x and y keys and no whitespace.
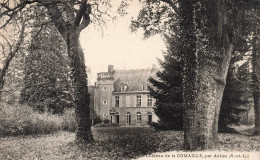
{"x":201,"y":119}
{"x":256,"y":80}
{"x":70,"y":30}
{"x":205,"y":70}
{"x":80,"y":88}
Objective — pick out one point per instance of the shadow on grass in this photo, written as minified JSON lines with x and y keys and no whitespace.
{"x":126,"y":143}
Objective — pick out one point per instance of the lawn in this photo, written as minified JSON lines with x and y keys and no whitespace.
{"x":111,"y":143}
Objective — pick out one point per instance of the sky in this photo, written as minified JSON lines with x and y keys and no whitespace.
{"x":118,"y":46}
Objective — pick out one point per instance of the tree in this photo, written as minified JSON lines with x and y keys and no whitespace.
{"x":256,"y":78}
{"x":154,"y":18}
{"x":167,"y":90}
{"x":204,"y":77}
{"x":205,"y":44}
{"x":70,"y":29}
{"x":11,"y":52}
{"x":157,"y":17}
{"x":70,"y":18}
{"x":46,"y":71}
{"x":213,"y":25}
{"x":235,"y":97}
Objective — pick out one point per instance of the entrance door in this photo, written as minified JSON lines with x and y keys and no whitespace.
{"x":128,"y":118}
{"x":117,"y":118}
{"x":149,"y":117}
{"x":111,"y":119}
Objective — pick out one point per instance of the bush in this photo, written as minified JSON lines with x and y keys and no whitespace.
{"x":100,"y":125}
{"x":22,"y":120}
{"x":106,"y":121}
{"x":69,"y":120}
{"x":97,"y":120}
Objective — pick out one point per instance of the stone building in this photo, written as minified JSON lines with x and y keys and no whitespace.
{"x":122,"y":96}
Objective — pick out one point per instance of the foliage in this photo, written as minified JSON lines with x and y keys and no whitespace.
{"x":255,"y":62}
{"x":236,"y":98}
{"x":46,"y":82}
{"x":156,"y":17}
{"x":97,"y":120}
{"x":100,"y":125}
{"x":112,"y":143}
{"x":12,"y":42}
{"x":69,"y":120}
{"x":167,"y":90}
{"x":19,"y":119}
{"x":237,"y":95}
{"x":106,"y":121}
{"x":69,"y":18}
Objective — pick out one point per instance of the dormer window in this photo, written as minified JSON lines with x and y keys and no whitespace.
{"x":144,"y":87}
{"x":123,"y":88}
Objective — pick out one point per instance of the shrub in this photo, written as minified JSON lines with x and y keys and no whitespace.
{"x":106,"y":121}
{"x":69,"y":120}
{"x":22,"y":120}
{"x":97,"y":120}
{"x":100,"y":125}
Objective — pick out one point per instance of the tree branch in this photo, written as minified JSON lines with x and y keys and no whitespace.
{"x":85,"y":22}
{"x":56,"y":17}
{"x":11,"y":12}
{"x":11,"y":55}
{"x":9,"y":44}
{"x":80,"y":13}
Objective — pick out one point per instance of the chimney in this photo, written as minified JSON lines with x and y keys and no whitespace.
{"x":110,"y":68}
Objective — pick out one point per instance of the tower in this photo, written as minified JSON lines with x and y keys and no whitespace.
{"x":103,"y":94}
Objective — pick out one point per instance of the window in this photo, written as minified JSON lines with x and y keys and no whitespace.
{"x":104,"y":102}
{"x":138,"y":101}
{"x":104,"y":115}
{"x":128,"y":118}
{"x":104,"y":88}
{"x":149,"y":101}
{"x":104,"y":74}
{"x":123,"y":88}
{"x":116,"y":101}
{"x":139,"y":118}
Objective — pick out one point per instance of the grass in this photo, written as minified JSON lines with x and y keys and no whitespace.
{"x":111,"y":143}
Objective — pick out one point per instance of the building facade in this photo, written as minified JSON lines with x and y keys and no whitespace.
{"x":122,"y":96}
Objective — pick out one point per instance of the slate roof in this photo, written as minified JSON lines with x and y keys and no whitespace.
{"x":134,"y":79}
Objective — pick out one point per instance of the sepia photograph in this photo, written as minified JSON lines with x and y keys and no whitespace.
{"x":130,"y":79}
